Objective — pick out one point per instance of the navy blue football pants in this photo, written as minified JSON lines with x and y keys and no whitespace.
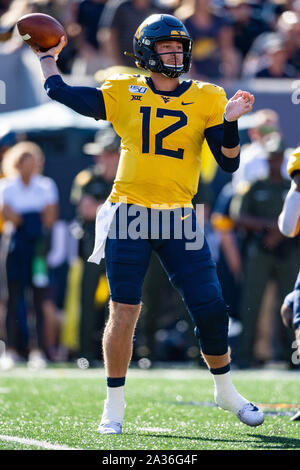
{"x":186,"y":258}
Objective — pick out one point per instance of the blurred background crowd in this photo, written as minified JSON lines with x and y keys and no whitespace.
{"x":57,"y":168}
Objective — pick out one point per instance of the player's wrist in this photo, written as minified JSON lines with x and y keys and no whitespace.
{"x":227,"y":119}
{"x":48,"y":56}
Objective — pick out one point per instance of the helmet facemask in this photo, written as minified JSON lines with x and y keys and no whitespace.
{"x":152,"y":60}
{"x":171,"y":70}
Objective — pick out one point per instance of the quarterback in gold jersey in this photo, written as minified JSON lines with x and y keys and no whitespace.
{"x":163,"y":167}
{"x":162,"y":123}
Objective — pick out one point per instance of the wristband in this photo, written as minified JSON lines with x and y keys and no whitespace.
{"x":46,"y":57}
{"x":231,"y":136}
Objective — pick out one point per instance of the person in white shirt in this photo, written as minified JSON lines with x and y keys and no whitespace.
{"x":29,"y":204}
{"x":254,"y":156}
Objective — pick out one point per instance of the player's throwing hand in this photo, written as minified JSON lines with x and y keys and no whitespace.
{"x":54,"y":51}
{"x":240,"y":104}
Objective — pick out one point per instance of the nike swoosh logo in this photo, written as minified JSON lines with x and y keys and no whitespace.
{"x":184,"y":217}
{"x":184,"y":104}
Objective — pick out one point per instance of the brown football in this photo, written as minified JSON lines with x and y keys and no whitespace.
{"x":40,"y":31}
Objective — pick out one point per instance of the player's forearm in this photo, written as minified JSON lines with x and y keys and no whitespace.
{"x":50,"y":215}
{"x":49,"y":67}
{"x":11,"y":216}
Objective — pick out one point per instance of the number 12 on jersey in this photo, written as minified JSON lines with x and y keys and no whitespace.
{"x":161,"y":113}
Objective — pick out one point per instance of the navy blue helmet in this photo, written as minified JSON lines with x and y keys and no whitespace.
{"x":157,"y":28}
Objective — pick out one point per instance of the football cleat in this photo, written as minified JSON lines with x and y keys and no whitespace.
{"x":109,"y":427}
{"x":251,"y":415}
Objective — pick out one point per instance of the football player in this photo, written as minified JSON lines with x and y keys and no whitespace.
{"x":289,"y":226}
{"x":162,"y":123}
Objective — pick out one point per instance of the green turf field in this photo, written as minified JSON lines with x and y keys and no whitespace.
{"x":166,"y":409}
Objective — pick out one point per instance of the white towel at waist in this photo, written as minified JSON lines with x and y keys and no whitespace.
{"x":103,"y":222}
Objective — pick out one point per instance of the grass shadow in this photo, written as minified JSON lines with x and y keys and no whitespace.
{"x":270,"y":442}
{"x":278,"y":442}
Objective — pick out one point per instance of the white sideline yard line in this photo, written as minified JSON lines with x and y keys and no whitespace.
{"x":167,"y":373}
{"x":35,"y":443}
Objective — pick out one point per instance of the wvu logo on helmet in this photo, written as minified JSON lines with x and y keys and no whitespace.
{"x":139,"y":31}
{"x":178,"y":33}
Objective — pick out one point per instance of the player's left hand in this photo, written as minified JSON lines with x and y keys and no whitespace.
{"x":240,"y":104}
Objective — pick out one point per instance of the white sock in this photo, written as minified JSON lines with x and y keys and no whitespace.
{"x":114,"y":405}
{"x":226,"y":395}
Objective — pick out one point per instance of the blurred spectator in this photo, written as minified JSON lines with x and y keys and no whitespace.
{"x":65,"y":12}
{"x":274,"y":61}
{"x":29,"y":206}
{"x":268,"y":255}
{"x":289,"y":26}
{"x":7,"y":140}
{"x":15,"y":56}
{"x":276,"y":54}
{"x":16,"y":61}
{"x":253,"y":164}
{"x":4,"y":5}
{"x":17,"y":8}
{"x":87,"y":54}
{"x":270,"y":10}
{"x":118,"y":24}
{"x":90,"y":190}
{"x":89,"y":13}
{"x":213,"y":52}
{"x":246,"y":25}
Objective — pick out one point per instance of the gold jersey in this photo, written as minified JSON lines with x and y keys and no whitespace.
{"x":162,"y":136}
{"x":294,"y":161}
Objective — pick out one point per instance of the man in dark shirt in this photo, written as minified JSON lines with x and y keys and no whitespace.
{"x":90,"y":189}
{"x":246,"y":24}
{"x":89,"y":14}
{"x":268,"y":255}
{"x":119,"y":22}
